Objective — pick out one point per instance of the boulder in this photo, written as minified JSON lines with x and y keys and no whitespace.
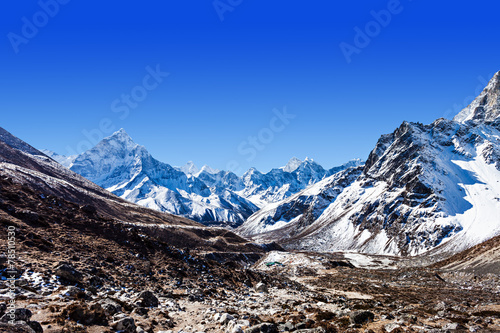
{"x":17,"y":315}
{"x":147,"y":299}
{"x":225,"y":318}
{"x":261,"y":288}
{"x":126,"y":325}
{"x":68,"y":273}
{"x":16,"y":328}
{"x":262,"y":328}
{"x":35,"y":326}
{"x":361,"y":317}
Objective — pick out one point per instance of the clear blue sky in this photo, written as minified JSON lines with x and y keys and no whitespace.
{"x":227,"y":76}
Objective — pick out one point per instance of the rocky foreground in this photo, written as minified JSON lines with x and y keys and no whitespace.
{"x":113,"y":277}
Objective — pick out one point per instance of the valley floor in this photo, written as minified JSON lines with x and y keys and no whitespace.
{"x":303,"y":292}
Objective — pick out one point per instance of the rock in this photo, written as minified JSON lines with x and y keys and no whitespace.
{"x":441,"y":306}
{"x":312,"y":330}
{"x":147,"y":299}
{"x":361,"y":317}
{"x":68,"y":273}
{"x":73,"y":292}
{"x":391,"y":327}
{"x":225,"y":318}
{"x":17,"y":315}
{"x":261,"y":288}
{"x":35,"y":326}
{"x":3,"y":308}
{"x":287,"y":327}
{"x":140,"y":311}
{"x":110,"y":307}
{"x":453,"y":326}
{"x":80,"y":313}
{"x":16,"y":328}
{"x":127,"y":325}
{"x":262,"y":328}
{"x":237,"y":329}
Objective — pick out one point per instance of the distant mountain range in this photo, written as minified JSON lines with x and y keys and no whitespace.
{"x":205,"y":195}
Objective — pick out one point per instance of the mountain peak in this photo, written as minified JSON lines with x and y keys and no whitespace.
{"x":209,"y":170}
{"x":120,"y":135}
{"x":292,"y":165}
{"x":486,"y":107}
{"x":189,"y":168}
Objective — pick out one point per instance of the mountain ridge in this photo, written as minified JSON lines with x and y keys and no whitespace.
{"x":205,"y":195}
{"x":422,"y":187}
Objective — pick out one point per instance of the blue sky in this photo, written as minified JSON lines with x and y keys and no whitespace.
{"x":67,"y":70}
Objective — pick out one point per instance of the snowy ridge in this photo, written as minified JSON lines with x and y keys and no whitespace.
{"x":279,"y":184}
{"x":486,"y":107}
{"x":129,"y":171}
{"x":423,"y":187}
{"x":205,"y":195}
{"x":66,"y":161}
{"x":300,"y":209}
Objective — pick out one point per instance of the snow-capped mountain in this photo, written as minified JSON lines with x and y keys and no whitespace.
{"x":423,"y":187}
{"x":281,"y":183}
{"x":205,"y":195}
{"x":128,"y":170}
{"x":292,"y":215}
{"x":66,"y":161}
{"x":189,"y":168}
{"x":292,"y":165}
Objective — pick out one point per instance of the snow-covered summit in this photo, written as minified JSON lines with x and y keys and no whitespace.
{"x":486,"y":107}
{"x":209,"y":170}
{"x":189,"y":168}
{"x":292,"y":165}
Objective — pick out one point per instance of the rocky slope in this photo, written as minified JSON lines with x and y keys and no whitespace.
{"x":422,"y":187}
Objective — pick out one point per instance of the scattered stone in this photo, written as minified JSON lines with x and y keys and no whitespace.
{"x":16,"y":328}
{"x":261,"y":288}
{"x":391,"y":327}
{"x":453,"y":326}
{"x":262,"y":328}
{"x":147,"y":299}
{"x":225,"y":318}
{"x":110,"y":307}
{"x":17,"y":315}
{"x":73,"y":292}
{"x":361,"y":317}
{"x":126,"y":325}
{"x":68,"y":273}
{"x":140,"y":311}
{"x":80,"y":313}
{"x":35,"y":326}
{"x":287,"y":327}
